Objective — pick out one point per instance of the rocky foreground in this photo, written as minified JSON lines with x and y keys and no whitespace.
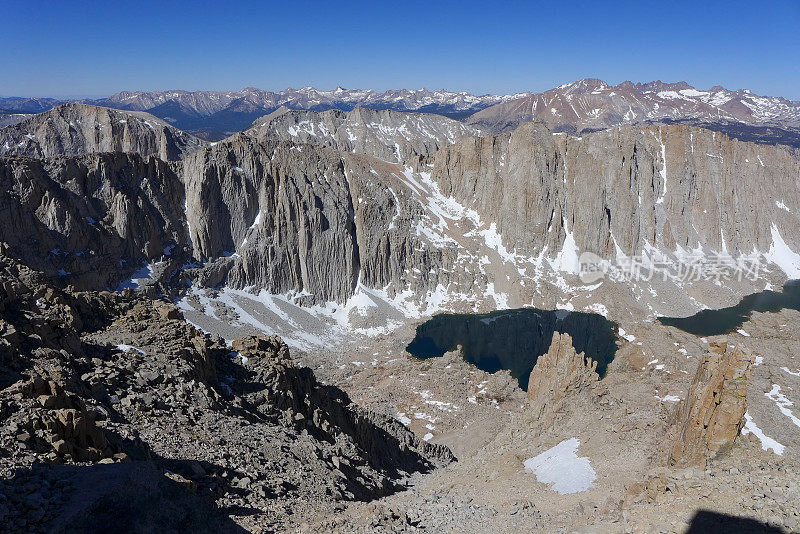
{"x":114,"y":406}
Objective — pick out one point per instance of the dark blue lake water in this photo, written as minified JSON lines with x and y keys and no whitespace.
{"x":726,"y":320}
{"x":514,"y":339}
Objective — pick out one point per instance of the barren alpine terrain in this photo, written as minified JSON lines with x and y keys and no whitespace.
{"x":568,"y":311}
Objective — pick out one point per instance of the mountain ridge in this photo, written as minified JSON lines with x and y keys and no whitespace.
{"x":214,"y":115}
{"x":76,"y":128}
{"x":296,"y":212}
{"x":592,"y":104}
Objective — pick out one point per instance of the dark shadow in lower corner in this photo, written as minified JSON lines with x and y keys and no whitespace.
{"x":127,"y":497}
{"x":708,"y":522}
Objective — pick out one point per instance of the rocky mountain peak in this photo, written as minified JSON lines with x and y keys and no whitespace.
{"x":658,"y":85}
{"x":585,"y":85}
{"x":589,"y":104}
{"x":386,"y":134}
{"x":74,"y":128}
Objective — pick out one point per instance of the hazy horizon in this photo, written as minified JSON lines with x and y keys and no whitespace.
{"x":62,"y":51}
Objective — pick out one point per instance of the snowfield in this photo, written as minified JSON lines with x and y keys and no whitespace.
{"x":562,"y":468}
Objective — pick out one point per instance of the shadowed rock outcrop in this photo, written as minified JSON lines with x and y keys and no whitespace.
{"x":387,"y":444}
{"x":243,"y":428}
{"x":62,"y":419}
{"x":710,"y":418}
{"x":90,"y":220}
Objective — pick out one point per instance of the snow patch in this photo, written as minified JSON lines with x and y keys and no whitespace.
{"x":598,"y":308}
{"x":767,"y":442}
{"x":137,"y":278}
{"x":781,"y":255}
{"x":567,"y":260}
{"x":562,"y":468}
{"x":782,"y":403}
{"x":124,"y":348}
{"x":626,"y":336}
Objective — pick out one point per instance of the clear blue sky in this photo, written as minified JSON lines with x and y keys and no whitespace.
{"x":73,"y":48}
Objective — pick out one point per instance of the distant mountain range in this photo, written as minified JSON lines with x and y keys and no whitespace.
{"x":590,"y":105}
{"x":213,"y":115}
{"x":584,"y":105}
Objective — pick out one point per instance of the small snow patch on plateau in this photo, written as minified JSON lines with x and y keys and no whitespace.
{"x":627,"y":337}
{"x":562,"y":468}
{"x":403,"y":418}
{"x":598,"y":308}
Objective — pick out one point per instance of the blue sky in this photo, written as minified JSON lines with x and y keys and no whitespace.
{"x":60,"y":48}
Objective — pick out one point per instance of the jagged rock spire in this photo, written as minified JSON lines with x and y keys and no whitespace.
{"x":710,"y":417}
{"x":556,"y":376}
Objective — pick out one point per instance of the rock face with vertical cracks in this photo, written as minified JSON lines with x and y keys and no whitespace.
{"x":286,"y":211}
{"x":558,"y":375}
{"x":710,"y":418}
{"x":303,"y":213}
{"x":620,"y":191}
{"x":666,"y":186}
{"x":301,"y":218}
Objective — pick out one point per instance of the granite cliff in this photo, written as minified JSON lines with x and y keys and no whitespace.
{"x":74,"y":129}
{"x":283,"y":210}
